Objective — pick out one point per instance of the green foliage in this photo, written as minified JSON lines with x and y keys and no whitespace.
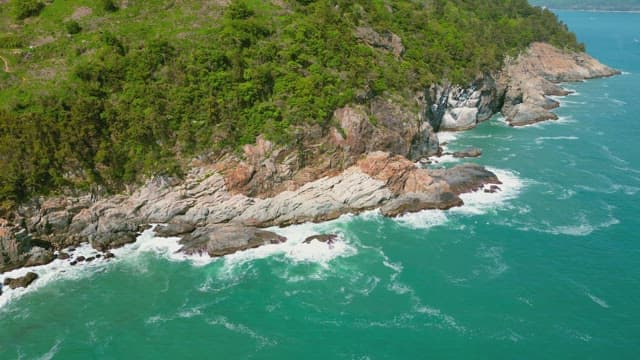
{"x":134,"y":103}
{"x":23,"y":9}
{"x":11,"y":42}
{"x":109,"y":5}
{"x":72,"y":27}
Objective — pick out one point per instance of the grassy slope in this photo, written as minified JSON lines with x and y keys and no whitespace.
{"x":157,"y":81}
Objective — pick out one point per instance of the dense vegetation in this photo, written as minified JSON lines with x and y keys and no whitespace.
{"x":107,"y":92}
{"x":620,"y":5}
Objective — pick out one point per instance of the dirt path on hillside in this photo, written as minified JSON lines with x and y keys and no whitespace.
{"x":6,"y":64}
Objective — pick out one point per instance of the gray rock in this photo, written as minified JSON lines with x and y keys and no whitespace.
{"x":325,"y":238}
{"x":470,"y":152}
{"x":466,"y":178}
{"x":414,"y":202}
{"x":222,"y":239}
{"x":23,"y":281}
{"x":171,"y":230}
{"x":39,"y":256}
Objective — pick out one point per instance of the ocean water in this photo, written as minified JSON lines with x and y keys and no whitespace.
{"x":547,"y":269}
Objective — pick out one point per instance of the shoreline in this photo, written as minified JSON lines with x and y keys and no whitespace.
{"x":294,"y":249}
{"x":211,"y":215}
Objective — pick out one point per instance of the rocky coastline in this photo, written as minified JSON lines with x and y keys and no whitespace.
{"x":366,"y":161}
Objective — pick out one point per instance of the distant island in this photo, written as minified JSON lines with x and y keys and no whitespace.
{"x":612,"y":5}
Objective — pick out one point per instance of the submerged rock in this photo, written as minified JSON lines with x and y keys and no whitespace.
{"x":223,"y":239}
{"x":325,"y":238}
{"x":23,"y":281}
{"x":470,"y":152}
{"x":492,"y":189}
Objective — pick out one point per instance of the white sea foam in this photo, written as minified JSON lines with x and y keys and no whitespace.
{"x":52,"y":352}
{"x":582,"y":228}
{"x":493,"y":255}
{"x":479,"y":202}
{"x":542,"y":139}
{"x":597,"y":300}
{"x":475,"y":203}
{"x":241,"y":329}
{"x":294,"y":249}
{"x":613,"y":157}
{"x":447,"y":136}
{"x":423,"y":220}
{"x":56,"y":270}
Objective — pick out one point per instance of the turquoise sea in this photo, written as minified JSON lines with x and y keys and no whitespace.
{"x":547,"y":269}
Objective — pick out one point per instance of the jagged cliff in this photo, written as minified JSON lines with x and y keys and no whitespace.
{"x":520,"y":91}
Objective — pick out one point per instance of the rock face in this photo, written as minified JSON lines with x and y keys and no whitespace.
{"x":454,"y":108}
{"x":520,"y":91}
{"x":533,"y":76}
{"x":387,"y":40}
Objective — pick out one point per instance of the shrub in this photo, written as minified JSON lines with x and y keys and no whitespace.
{"x":109,"y":5}
{"x":23,"y":9}
{"x":72,"y":27}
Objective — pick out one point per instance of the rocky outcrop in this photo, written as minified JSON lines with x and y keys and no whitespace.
{"x":23,"y":281}
{"x":454,"y":108}
{"x":211,"y":219}
{"x":466,"y":153}
{"x":534,"y":75}
{"x":520,"y":91}
{"x":325,"y":238}
{"x":386,"y":41}
{"x":223,"y":239}
{"x":18,"y":249}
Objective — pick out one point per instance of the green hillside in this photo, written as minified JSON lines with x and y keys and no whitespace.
{"x":106,"y":92}
{"x":620,"y":5}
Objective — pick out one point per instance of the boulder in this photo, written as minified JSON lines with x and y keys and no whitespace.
{"x":414,"y":202}
{"x":23,"y":281}
{"x":325,"y":238}
{"x":39,"y":256}
{"x":466,"y":178}
{"x":223,"y":239}
{"x":470,"y":152}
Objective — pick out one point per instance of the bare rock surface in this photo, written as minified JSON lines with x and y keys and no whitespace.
{"x":534,"y":76}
